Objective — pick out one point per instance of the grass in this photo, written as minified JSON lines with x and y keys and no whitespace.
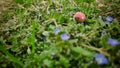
{"x":27,"y":37}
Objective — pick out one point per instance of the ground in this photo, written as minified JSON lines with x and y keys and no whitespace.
{"x":44,"y":34}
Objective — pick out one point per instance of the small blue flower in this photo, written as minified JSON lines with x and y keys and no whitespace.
{"x":52,"y":54}
{"x":113,"y":42}
{"x":109,"y":19}
{"x":57,"y":30}
{"x":65,"y":36}
{"x":100,"y":59}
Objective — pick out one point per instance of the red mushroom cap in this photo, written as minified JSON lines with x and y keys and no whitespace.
{"x":79,"y":17}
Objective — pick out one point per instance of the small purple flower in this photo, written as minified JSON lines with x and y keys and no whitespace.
{"x":65,"y":36}
{"x":57,"y":30}
{"x":101,"y":59}
{"x":113,"y":42}
{"x":109,"y":19}
{"x":52,"y":54}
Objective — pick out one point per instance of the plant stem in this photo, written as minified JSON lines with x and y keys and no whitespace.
{"x":96,"y":49}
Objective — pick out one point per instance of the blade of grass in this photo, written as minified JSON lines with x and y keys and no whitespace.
{"x":14,"y":59}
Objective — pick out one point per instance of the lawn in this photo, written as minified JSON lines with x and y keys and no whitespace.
{"x":46,"y":34}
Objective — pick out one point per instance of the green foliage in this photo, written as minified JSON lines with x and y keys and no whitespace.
{"x":82,"y":51}
{"x":27,"y":38}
